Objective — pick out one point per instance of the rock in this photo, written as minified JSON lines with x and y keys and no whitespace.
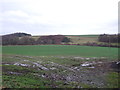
{"x":115,"y":65}
{"x":87,"y":58}
{"x":75,"y":67}
{"x":43,"y":76}
{"x":91,"y":67}
{"x":6,"y":64}
{"x":16,"y":73}
{"x":20,"y":64}
{"x":52,"y":68}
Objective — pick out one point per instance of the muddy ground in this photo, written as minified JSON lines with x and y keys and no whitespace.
{"x":69,"y":71}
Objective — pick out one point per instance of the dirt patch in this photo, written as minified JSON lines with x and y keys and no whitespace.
{"x":15,"y":73}
{"x":89,"y":71}
{"x":21,"y":64}
{"x":115,"y":66}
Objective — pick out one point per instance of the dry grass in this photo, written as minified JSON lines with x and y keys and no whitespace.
{"x":81,"y":39}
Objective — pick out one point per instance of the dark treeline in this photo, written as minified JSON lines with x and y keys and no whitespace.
{"x":101,"y":44}
{"x":53,"y":39}
{"x":109,"y":38}
{"x":26,"y":39}
{"x":17,"y":34}
{"x":15,"y":39}
{"x":10,"y":40}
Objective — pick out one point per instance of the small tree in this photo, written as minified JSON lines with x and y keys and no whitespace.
{"x":27,"y":41}
{"x":10,"y":40}
{"x":66,"y":40}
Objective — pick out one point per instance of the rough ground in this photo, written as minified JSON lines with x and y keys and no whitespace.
{"x":58,"y":71}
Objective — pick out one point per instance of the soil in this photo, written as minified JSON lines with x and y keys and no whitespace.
{"x":88,"y":72}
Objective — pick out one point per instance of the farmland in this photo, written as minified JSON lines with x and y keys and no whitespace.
{"x":59,"y":66}
{"x":84,"y":39}
{"x":45,"y":50}
{"x":78,"y":39}
{"x":81,"y":39}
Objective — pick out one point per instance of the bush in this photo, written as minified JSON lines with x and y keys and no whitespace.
{"x":26,"y":41}
{"x":66,"y":40}
{"x":109,"y":38}
{"x":10,"y":40}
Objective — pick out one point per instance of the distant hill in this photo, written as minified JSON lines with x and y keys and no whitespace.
{"x":89,"y":40}
{"x":18,"y":34}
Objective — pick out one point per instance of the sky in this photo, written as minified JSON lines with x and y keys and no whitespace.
{"x":52,"y":17}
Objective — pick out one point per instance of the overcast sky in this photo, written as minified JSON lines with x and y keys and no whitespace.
{"x":67,"y":17}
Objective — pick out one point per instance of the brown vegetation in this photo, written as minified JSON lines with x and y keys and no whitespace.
{"x":52,"y":39}
{"x":26,"y":39}
{"x":109,"y":38}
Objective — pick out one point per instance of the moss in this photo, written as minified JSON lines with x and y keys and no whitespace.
{"x":112,"y":80}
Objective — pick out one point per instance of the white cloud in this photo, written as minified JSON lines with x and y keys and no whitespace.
{"x":17,"y":13}
{"x":61,"y":16}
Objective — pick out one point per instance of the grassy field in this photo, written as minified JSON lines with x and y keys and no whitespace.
{"x":68,"y":50}
{"x":83,"y":39}
{"x":59,"y":66}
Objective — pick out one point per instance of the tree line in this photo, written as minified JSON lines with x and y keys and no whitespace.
{"x":109,"y":38}
{"x":26,"y":39}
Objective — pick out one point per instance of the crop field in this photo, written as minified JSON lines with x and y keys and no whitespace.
{"x":59,"y":66}
{"x":79,"y":39}
{"x":67,"y":50}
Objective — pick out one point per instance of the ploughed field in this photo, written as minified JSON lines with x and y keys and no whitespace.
{"x":59,"y":66}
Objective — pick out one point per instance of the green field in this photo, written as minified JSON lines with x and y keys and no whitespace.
{"x":65,"y":50}
{"x":58,"y":66}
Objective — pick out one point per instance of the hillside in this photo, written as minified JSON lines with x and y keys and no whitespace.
{"x":78,"y":39}
{"x":17,"y":34}
{"x":81,"y":39}
{"x":103,"y":40}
